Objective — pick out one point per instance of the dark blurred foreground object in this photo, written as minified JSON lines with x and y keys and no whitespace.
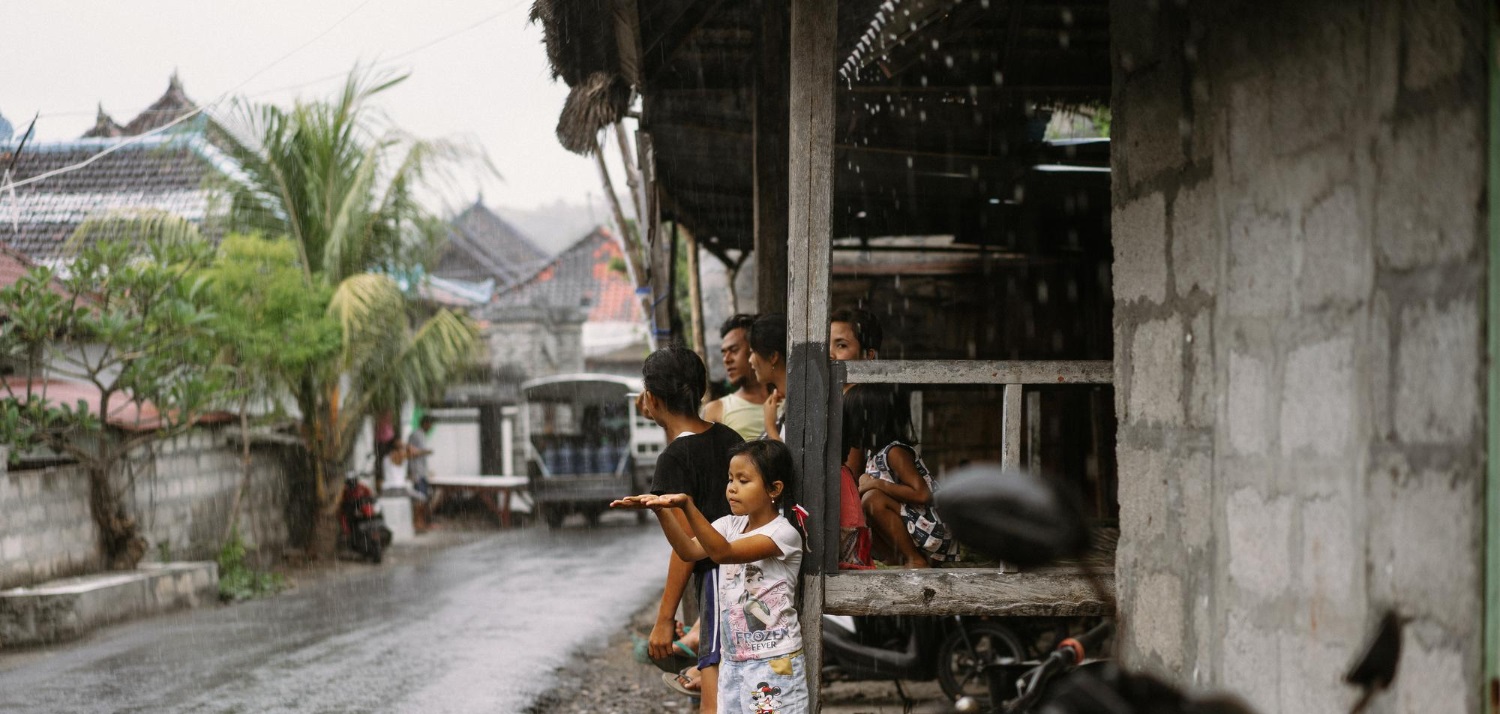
{"x":1104,"y":687}
{"x":1013,"y":516}
{"x":1376,"y":669}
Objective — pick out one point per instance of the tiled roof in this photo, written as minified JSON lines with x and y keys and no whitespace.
{"x":483,"y":246}
{"x":104,"y":127}
{"x":581,"y":277}
{"x":157,"y":172}
{"x":173,"y":104}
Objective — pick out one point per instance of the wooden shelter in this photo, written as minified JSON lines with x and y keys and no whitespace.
{"x":794,"y":130}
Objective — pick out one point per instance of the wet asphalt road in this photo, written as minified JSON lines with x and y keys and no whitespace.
{"x":474,"y":628}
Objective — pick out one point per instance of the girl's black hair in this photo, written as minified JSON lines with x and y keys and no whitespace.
{"x":773,"y":460}
{"x":865,"y":325}
{"x":675,"y":375}
{"x":768,"y":335}
{"x":875,"y":415}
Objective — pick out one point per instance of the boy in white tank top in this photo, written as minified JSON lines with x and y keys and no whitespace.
{"x":740,"y":410}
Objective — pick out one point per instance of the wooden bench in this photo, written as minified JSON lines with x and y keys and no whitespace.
{"x":493,"y":491}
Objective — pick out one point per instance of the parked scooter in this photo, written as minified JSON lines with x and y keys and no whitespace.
{"x":953,"y":650}
{"x":1017,"y":517}
{"x":362,"y":527}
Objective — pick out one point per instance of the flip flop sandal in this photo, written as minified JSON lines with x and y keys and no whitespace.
{"x":678,"y":683}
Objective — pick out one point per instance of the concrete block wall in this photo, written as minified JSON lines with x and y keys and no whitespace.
{"x":181,"y":498}
{"x":185,"y":495}
{"x":1299,"y":231}
{"x":45,"y":527}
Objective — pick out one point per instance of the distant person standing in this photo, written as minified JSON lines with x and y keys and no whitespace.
{"x":417,"y":451}
{"x":768,"y":361}
{"x":740,"y":410}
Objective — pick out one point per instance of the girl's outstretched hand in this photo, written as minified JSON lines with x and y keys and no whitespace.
{"x":638,"y":503}
{"x":671,"y":500}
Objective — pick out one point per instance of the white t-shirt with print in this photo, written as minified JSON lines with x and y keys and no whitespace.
{"x":757,"y":600}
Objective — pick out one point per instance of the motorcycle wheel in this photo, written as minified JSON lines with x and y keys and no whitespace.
{"x":376,"y":551}
{"x":961,"y":665}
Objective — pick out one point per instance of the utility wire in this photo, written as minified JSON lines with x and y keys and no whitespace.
{"x":393,"y":58}
{"x":188,"y":115}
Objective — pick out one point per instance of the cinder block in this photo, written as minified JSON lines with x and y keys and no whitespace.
{"x":11,"y":548}
{"x":1195,"y":482}
{"x":1312,"y":672}
{"x":1143,"y":492}
{"x":1427,"y":548}
{"x":1260,"y":263}
{"x":1156,"y":372}
{"x":1430,"y":173}
{"x":1318,"y":397}
{"x":1260,"y":532}
{"x":1432,"y":679}
{"x":1338,"y":263}
{"x":1317,"y":67}
{"x":1248,"y":125}
{"x":1250,"y":665}
{"x":1436,"y":34}
{"x":1438,"y":373}
{"x":1333,"y":564}
{"x":1195,"y":239}
{"x":1156,"y":619}
{"x":1249,"y":407}
{"x":1139,"y":235}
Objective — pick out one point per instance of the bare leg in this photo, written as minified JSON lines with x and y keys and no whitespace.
{"x":884,"y":513}
{"x":709,"y":687}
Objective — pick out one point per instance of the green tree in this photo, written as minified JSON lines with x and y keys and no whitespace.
{"x":271,"y":327}
{"x":331,"y":176}
{"x":127,"y":319}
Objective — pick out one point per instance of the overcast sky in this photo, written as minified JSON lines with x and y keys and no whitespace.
{"x":490,"y":83}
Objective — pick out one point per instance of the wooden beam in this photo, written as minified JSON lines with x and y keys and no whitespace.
{"x":772,"y":115}
{"x":1055,"y":592}
{"x":980,"y":372}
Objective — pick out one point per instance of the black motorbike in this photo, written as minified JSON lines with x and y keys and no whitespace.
{"x":953,"y":650}
{"x":1020,"y":518}
{"x":362,"y":527}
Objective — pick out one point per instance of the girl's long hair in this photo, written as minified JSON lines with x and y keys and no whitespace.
{"x":875,"y":416}
{"x":773,"y":460}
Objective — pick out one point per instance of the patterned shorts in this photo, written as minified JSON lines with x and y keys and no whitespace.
{"x":764,"y":686}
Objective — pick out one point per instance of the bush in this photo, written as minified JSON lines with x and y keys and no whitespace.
{"x":238,"y":581}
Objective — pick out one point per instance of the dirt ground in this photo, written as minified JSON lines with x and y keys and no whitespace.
{"x":611,"y":681}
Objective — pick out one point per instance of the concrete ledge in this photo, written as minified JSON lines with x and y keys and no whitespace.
{"x":65,"y":609}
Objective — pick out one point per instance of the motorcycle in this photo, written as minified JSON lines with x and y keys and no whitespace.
{"x":953,"y":650}
{"x":1020,"y":518}
{"x":362,"y":527}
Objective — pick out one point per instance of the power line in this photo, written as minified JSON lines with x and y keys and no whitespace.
{"x":484,"y":21}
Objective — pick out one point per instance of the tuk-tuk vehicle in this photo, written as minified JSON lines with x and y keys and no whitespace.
{"x":585,"y":444}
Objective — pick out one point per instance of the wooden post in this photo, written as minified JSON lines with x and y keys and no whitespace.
{"x":630,"y":244}
{"x":809,"y":162}
{"x":772,"y":113}
{"x":1010,"y":426}
{"x":695,"y":292}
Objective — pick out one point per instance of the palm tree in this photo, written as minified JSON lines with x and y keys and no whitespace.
{"x":343,"y":185}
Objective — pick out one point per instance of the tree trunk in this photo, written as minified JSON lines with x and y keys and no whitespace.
{"x":245,"y":470}
{"x":120,"y":541}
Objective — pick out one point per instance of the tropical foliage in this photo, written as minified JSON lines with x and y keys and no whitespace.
{"x":127,"y":319}
{"x":271,"y":327}
{"x":344,"y":187}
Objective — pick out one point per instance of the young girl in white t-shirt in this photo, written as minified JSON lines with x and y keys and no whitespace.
{"x":759,"y":552}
